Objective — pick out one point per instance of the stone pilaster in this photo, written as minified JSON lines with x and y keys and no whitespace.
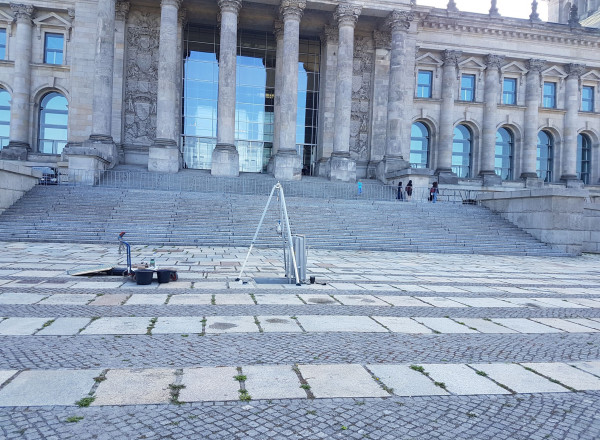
{"x":225,"y":157}
{"x":532,"y":103}
{"x":490,"y":117}
{"x":569,"y":153}
{"x":449,"y":83}
{"x":288,"y":165}
{"x":342,"y":166}
{"x":19,"y":108}
{"x":400,"y":96}
{"x":329,"y":47}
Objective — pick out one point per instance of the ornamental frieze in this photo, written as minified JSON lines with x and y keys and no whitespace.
{"x":364,"y":56}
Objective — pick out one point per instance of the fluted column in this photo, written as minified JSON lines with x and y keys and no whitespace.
{"x":121,"y":13}
{"x":490,"y":120}
{"x":449,"y":84}
{"x":278,"y":31}
{"x":225,"y":157}
{"x":342,"y":166}
{"x":569,"y":153}
{"x":400,"y":95}
{"x":288,"y":165}
{"x":532,"y":102}
{"x":19,"y":106}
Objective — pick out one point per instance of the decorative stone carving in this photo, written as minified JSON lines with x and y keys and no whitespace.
{"x":330,"y":34}
{"x":383,"y":40}
{"x":122,"y":10}
{"x":182,"y":17}
{"x":494,"y":61}
{"x":575,"y":70}
{"x":278,"y":29}
{"x":347,"y":13}
{"x":574,"y":16}
{"x":22,"y":12}
{"x":142,"y":78}
{"x":451,"y":56}
{"x":399,"y":20}
{"x":494,"y":9}
{"x":230,"y":6}
{"x":451,"y":6}
{"x":535,"y":65}
{"x":71,"y":14}
{"x":534,"y":13}
{"x":361,"y":97}
{"x":292,"y":9}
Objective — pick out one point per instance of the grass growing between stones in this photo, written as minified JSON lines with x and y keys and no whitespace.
{"x":73,"y":419}
{"x":85,"y":402}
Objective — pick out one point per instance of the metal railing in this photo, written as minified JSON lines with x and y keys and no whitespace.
{"x":258,"y":184}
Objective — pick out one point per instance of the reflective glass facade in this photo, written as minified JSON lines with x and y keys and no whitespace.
{"x":467,"y":88}
{"x":425,"y":80}
{"x":53,"y":48}
{"x":4,"y":118}
{"x":419,"y":146}
{"x":255,"y":93}
{"x":2,"y":44}
{"x":509,"y":91}
{"x":549,"y":99}
{"x":545,"y":156}
{"x":54,"y":117}
{"x":461,"y":151}
{"x":584,"y":158}
{"x":504,"y":154}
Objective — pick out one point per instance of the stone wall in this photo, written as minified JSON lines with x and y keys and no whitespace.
{"x":591,"y":226}
{"x":15,"y":181}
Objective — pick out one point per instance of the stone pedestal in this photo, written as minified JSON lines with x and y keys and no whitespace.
{"x":571,"y":181}
{"x":14,"y":152}
{"x":322,"y":167}
{"x":164,"y":157}
{"x":446,"y":177}
{"x":389,"y":167}
{"x":287,"y":165}
{"x":342,"y":168}
{"x":534,"y":182}
{"x":490,"y":178}
{"x":225,"y":161}
{"x":89,"y":159}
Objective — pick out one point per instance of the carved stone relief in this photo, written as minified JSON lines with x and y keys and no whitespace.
{"x":142,"y":77}
{"x":361,"y":96}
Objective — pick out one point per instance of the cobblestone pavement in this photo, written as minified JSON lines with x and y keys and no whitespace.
{"x":457,"y":290}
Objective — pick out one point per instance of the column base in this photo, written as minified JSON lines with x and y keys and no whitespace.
{"x":390,"y":167}
{"x":15,"y":151}
{"x":287,"y":165}
{"x":342,"y":168}
{"x":534,"y":182}
{"x":490,"y":178}
{"x":225,"y":161}
{"x":322,"y":167}
{"x":571,"y":181}
{"x":164,"y":156}
{"x":446,"y":176}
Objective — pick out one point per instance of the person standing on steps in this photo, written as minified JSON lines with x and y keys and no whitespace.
{"x":409,"y":188}
{"x":433,"y":192}
{"x":400,"y":197}
{"x":359,"y":187}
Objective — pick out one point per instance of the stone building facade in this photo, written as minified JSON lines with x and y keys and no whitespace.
{"x":341,"y":89}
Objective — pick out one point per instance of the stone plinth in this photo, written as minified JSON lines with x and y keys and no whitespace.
{"x":15,"y":181}
{"x":164,"y":159}
{"x":390,"y":167}
{"x":91,"y":157}
{"x":591,"y":228}
{"x":447,"y":177}
{"x":491,"y":178}
{"x":14,"y":153}
{"x":342,"y":168}
{"x":287,"y":165}
{"x":225,"y":161}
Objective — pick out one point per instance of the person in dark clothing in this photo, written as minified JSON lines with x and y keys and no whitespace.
{"x":409,"y":188}
{"x":433,"y":192}
{"x":400,"y":196}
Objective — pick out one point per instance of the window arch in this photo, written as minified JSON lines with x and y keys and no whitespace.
{"x":545,"y":156}
{"x":461,"y":151}
{"x":53,"y":121}
{"x":419,"y":145}
{"x":584,"y":157}
{"x":504,"y":153}
{"x":4,"y":118}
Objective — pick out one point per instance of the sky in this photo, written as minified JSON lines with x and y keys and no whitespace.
{"x":508,"y":8}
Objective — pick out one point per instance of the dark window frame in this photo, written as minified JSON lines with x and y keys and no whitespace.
{"x":51,"y":54}
{"x":591,"y":100}
{"x":549,"y":97}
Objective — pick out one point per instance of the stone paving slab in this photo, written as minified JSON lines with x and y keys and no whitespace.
{"x":530,"y":302}
{"x":562,"y":303}
{"x":525,"y":325}
{"x":483,"y":302}
{"x":586,"y":322}
{"x":176,"y":285}
{"x":118,"y":326}
{"x":277,"y":299}
{"x":38,"y":273}
{"x":350,"y":380}
{"x":280,"y":324}
{"x":233,"y":299}
{"x":411,"y":288}
{"x":592,"y":367}
{"x":318,"y":299}
{"x":485,"y":326}
{"x":68,"y":299}
{"x":97,"y":285}
{"x":358,"y":324}
{"x":564,"y":325}
{"x":6,"y":374}
{"x":146,"y":299}
{"x":360,"y":300}
{"x":403,"y":301}
{"x":230,"y":324}
{"x":64,"y":327}
{"x":178,"y":324}
{"x":135,"y":387}
{"x":588,"y":302}
{"x":272,"y":382}
{"x":21,"y":298}
{"x":209,"y":384}
{"x":518,"y":379}
{"x":47,"y":387}
{"x":113,"y":299}
{"x":191,"y":299}
{"x":567,"y":375}
{"x":438,"y":301}
{"x":406,"y":382}
{"x":402,"y":325}
{"x":444,"y":325}
{"x":462,"y":380}
{"x":21,"y":326}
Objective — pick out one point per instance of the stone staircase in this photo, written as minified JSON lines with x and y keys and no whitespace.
{"x":154,"y":217}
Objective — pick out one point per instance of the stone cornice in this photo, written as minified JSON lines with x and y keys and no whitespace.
{"x":22,"y":13}
{"x":230,"y":6}
{"x":292,"y":9}
{"x":347,"y":13}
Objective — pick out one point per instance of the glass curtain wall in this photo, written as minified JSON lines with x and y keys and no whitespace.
{"x":54,"y":118}
{"x":255,"y":92}
{"x":419,"y":146}
{"x":461,"y":151}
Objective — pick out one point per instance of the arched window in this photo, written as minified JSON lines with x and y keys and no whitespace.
{"x":545,"y":156}
{"x":4,"y":118}
{"x":419,"y":146}
{"x":54,"y":116}
{"x":504,"y":153}
{"x":461,"y":151}
{"x":584,"y":158}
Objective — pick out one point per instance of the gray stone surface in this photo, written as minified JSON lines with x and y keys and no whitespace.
{"x":340,"y":381}
{"x":272,"y":382}
{"x":462,"y":380}
{"x":20,"y":298}
{"x":485,"y":326}
{"x":21,"y":326}
{"x":318,"y":299}
{"x":444,"y":325}
{"x":360,"y":300}
{"x":564,"y":325}
{"x":592,"y":367}
{"x":109,"y":300}
{"x":406,"y":382}
{"x":117,"y":326}
{"x":518,"y":379}
{"x":525,"y":325}
{"x":360,"y":324}
{"x":403,"y":301}
{"x":566,"y":375}
{"x":191,"y":299}
{"x":6,"y":374}
{"x":209,"y":384}
{"x":64,"y":327}
{"x":135,"y":387}
{"x":230,"y":324}
{"x":233,"y":298}
{"x":145,"y":298}
{"x":178,"y":324}
{"x":68,"y":298}
{"x":279,"y":324}
{"x":402,"y":325}
{"x":266,"y":298}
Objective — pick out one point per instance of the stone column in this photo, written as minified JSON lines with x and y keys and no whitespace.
{"x":532,"y":102}
{"x":342,"y":166}
{"x":121,"y":13}
{"x":329,"y":45}
{"x":163,"y":155}
{"x":288,"y":165}
{"x":449,"y":84}
{"x":225,"y":157}
{"x":490,"y":119}
{"x":569,"y":151}
{"x":20,"y":106}
{"x":400,"y":96}
{"x":278,"y":32}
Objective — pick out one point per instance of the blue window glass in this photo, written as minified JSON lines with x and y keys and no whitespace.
{"x":419,"y":146}
{"x":54,"y":115}
{"x":504,"y":153}
{"x":549,"y":100}
{"x":2,"y":44}
{"x":584,"y":158}
{"x":425,"y":79}
{"x":467,"y":88}
{"x":545,"y":156}
{"x":461,"y":151}
{"x":509,"y":91}
{"x":4,"y":118}
{"x":587,"y":99}
{"x":53,"y":48}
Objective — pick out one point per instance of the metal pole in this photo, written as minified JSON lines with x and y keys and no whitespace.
{"x":287,"y":221}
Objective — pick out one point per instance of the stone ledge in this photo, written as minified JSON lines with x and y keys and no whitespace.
{"x":17,"y":168}
{"x":534,"y":192}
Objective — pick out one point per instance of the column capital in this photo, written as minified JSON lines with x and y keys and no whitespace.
{"x":182,"y":16}
{"x":347,"y":13}
{"x":575,"y":70}
{"x":494,"y":61}
{"x":71,"y":14}
{"x":278,"y":29}
{"x":292,"y":9}
{"x":230,"y":6}
{"x":399,"y":20}
{"x":535,"y":65}
{"x":22,"y":13}
{"x":382,"y":39}
{"x":122,"y":10}
{"x":330,"y":34}
{"x":176,"y":3}
{"x":451,"y":56}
